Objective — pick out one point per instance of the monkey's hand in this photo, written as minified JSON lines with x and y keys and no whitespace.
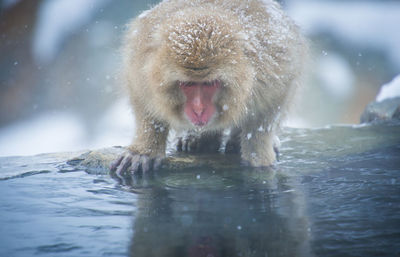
{"x":146,"y":154}
{"x":188,"y":143}
{"x":259,"y":148}
{"x":131,"y":163}
{"x":199,"y":143}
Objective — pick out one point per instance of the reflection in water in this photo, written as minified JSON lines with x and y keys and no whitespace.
{"x":335,"y":193}
{"x":213,"y":213}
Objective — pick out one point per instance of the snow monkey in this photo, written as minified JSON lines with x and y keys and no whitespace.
{"x":206,"y":66}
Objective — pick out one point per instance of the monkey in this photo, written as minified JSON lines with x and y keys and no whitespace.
{"x":205,"y":66}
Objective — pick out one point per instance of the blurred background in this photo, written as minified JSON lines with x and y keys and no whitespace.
{"x":59,"y":61}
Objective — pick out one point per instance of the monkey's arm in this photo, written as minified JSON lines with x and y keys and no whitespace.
{"x":147,"y":150}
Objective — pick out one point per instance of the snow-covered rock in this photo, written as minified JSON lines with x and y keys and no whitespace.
{"x":389,"y":90}
{"x":388,"y":109}
{"x":387,"y":103}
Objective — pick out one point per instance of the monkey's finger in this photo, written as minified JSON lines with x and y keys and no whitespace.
{"x":135,"y":165}
{"x":193,"y":145}
{"x":185,"y":145}
{"x":189,"y":145}
{"x":124,"y":165}
{"x":114,"y":164}
{"x":146,"y":162}
{"x":276,"y":150}
{"x":157,"y":163}
{"x":122,"y":180}
{"x":179,"y":145}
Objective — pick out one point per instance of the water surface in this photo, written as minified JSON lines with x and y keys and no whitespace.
{"x":335,"y":192}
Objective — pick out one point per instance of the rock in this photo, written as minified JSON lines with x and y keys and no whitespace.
{"x":388,"y":109}
{"x":97,"y":161}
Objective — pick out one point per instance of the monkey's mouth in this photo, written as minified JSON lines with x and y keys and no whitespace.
{"x":200,"y":119}
{"x":199,"y":106}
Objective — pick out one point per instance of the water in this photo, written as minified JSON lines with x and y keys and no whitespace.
{"x":335,"y":192}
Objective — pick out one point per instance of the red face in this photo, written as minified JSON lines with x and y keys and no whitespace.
{"x":199,"y":106}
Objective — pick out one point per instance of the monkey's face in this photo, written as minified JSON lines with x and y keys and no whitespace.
{"x":199,"y":107}
{"x":208,"y":102}
{"x":204,"y":71}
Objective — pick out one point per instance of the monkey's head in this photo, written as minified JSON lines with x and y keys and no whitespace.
{"x":202,"y":69}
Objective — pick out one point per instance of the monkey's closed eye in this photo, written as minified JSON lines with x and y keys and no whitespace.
{"x":199,"y":68}
{"x":210,"y":83}
{"x":213,"y":83}
{"x":186,"y":84}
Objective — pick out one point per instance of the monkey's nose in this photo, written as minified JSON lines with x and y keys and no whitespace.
{"x":198,"y":110}
{"x":198,"y":107}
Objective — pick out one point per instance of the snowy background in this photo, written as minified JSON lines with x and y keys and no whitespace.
{"x":59,"y":61}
